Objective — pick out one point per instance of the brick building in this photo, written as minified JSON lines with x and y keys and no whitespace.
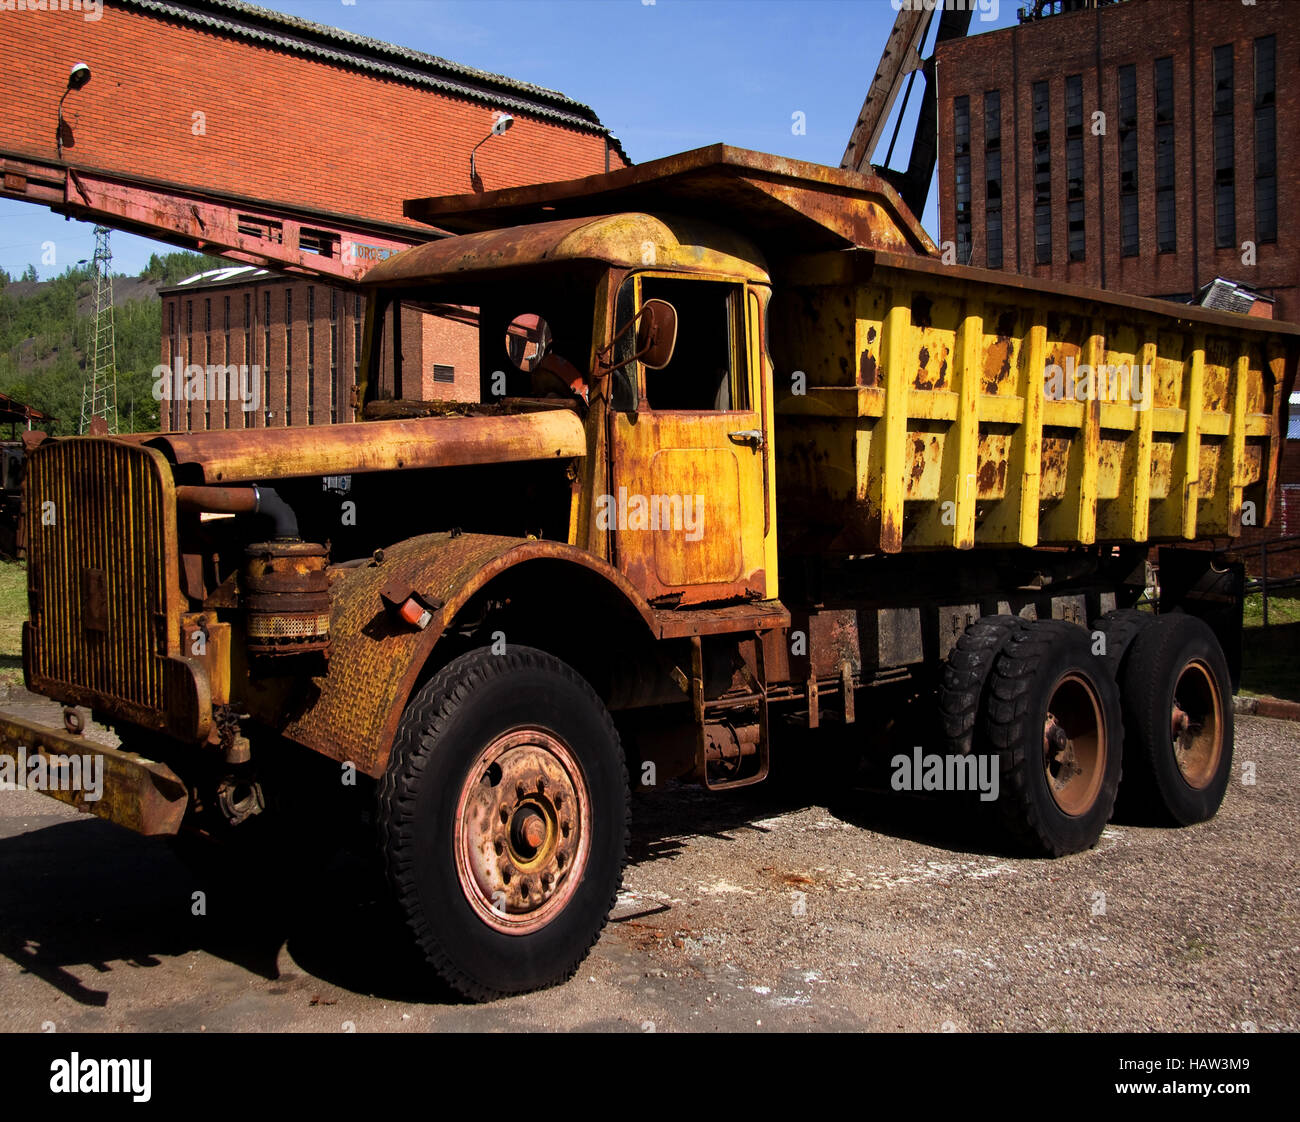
{"x":1136,"y":145}
{"x":1147,"y":146}
{"x":297,"y":345}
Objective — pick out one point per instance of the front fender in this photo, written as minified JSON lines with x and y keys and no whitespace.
{"x":351,"y":713}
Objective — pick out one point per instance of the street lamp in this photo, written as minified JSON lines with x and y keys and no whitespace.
{"x":77,"y":78}
{"x":500,"y":126}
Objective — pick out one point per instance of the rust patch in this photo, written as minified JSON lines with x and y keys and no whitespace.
{"x":871,"y":334}
{"x":869,"y":375}
{"x":988,"y":475}
{"x":918,"y":458}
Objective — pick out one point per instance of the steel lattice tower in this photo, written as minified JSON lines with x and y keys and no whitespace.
{"x":100,"y":397}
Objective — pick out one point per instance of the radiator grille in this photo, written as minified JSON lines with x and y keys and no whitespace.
{"x":102,"y":587}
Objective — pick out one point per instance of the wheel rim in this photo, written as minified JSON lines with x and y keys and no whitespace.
{"x":1074,"y":745}
{"x":1196,"y":724}
{"x":523,"y":831}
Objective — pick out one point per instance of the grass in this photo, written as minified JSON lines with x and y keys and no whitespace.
{"x":1268,"y":654}
{"x":1281,"y":609}
{"x":13,"y":611}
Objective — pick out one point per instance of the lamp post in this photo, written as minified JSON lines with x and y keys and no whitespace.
{"x":499,"y":127}
{"x":77,"y":78}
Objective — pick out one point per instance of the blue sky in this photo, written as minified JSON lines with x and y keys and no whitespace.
{"x":664,"y":76}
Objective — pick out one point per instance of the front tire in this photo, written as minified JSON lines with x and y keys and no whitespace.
{"x":504,"y":821}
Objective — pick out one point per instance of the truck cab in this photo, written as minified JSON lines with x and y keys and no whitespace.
{"x":677,"y":488}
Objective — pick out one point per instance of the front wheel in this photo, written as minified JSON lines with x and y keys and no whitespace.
{"x":504,"y":820}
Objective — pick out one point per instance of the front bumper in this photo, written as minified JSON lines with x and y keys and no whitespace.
{"x":110,"y":783}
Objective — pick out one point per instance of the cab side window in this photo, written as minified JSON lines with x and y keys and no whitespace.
{"x":707,"y":371}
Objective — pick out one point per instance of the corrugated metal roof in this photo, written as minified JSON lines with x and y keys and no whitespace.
{"x":233,"y":274}
{"x":290,"y":33}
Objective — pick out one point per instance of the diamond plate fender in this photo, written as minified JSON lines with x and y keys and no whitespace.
{"x":351,"y":713}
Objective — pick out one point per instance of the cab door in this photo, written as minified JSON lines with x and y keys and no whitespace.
{"x":687,"y":465}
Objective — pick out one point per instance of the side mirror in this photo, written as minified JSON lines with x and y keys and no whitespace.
{"x":656,"y":334}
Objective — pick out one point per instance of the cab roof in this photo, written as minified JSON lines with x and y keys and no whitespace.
{"x":625,"y":240}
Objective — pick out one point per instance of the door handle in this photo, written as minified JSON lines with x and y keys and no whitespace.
{"x":752,"y":437}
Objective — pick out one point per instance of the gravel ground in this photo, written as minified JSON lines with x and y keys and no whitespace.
{"x":749,"y":911}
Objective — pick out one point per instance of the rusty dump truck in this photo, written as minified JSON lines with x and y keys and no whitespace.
{"x":753,"y":475}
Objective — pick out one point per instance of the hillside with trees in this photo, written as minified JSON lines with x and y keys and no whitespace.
{"x":46,"y":326}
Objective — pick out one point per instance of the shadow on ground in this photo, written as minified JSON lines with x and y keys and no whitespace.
{"x":81,"y":892}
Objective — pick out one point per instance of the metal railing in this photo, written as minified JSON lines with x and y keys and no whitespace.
{"x":1266,"y":584}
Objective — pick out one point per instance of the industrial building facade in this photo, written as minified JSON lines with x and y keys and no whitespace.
{"x":289,"y":350}
{"x":1146,"y":146}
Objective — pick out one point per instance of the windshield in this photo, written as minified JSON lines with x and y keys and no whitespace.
{"x":482,"y":343}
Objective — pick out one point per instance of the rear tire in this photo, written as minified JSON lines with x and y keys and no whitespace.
{"x":962,"y":690}
{"x":1178,"y":716}
{"x":1120,"y":628}
{"x":503,"y":819}
{"x":1053,"y":715}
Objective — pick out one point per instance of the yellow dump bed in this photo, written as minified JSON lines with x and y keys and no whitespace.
{"x":921,"y":405}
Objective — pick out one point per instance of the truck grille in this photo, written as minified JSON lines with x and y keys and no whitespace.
{"x":102,"y":583}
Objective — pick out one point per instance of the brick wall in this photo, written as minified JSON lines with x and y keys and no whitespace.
{"x":276,"y":125}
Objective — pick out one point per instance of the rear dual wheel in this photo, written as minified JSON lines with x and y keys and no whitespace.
{"x":1178,"y":712}
{"x":1052,"y":714}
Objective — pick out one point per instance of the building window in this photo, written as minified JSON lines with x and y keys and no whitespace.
{"x":444,"y":373}
{"x":993,"y":179}
{"x":311,"y":353}
{"x":226,"y":358}
{"x":961,"y":171}
{"x":1042,"y":174}
{"x":1074,"y":166}
{"x":207,"y":381}
{"x":356,"y":338}
{"x":1265,"y":140}
{"x":173,"y":345}
{"x":248,"y":353}
{"x":288,"y":357}
{"x":1129,"y":231}
{"x":1166,"y":228}
{"x":334,"y":356}
{"x":266,"y":356}
{"x":1225,"y":198}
